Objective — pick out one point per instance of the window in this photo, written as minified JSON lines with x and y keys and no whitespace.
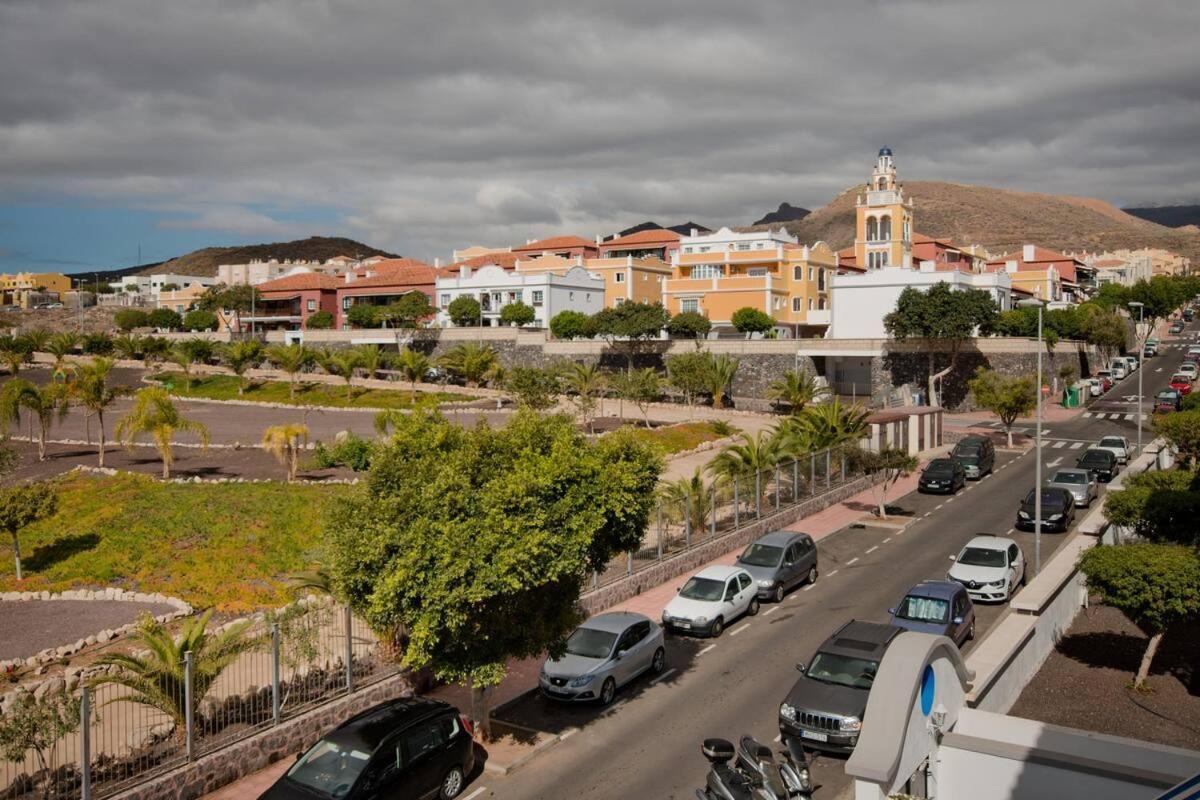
{"x":810,"y":304}
{"x":821,"y":280}
{"x":689,"y":304}
{"x":445,"y":300}
{"x":872,"y":229}
{"x":1013,"y":553}
{"x":778,"y":303}
{"x":425,"y":738}
{"x":538,"y":295}
{"x":512,"y":297}
{"x":797,"y":273}
{"x":703,"y":249}
{"x":797,"y":304}
{"x":882,"y":184}
{"x":620,"y":300}
{"x":885,"y":228}
{"x":757,"y":272}
{"x":708,"y":271}
{"x":821,"y":304}
{"x":571,"y":296}
{"x":744,"y":580}
{"x":349,"y":301}
{"x":587,"y":298}
{"x":312,"y":305}
{"x":619,"y":277}
{"x":743,"y":246}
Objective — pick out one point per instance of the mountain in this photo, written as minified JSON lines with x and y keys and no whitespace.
{"x":1171,"y":216}
{"x":1002,"y":220}
{"x":683,"y":229}
{"x":785,"y":213}
{"x":203,"y":263}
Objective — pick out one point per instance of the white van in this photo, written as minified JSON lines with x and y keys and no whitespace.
{"x":1133,"y":363}
{"x":1118,"y":368}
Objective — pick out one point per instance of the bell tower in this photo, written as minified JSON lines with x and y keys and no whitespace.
{"x":883,"y":230}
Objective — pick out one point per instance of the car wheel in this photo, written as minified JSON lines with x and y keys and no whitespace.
{"x":778,"y":596}
{"x":718,"y":627}
{"x":452,"y":784}
{"x":659,"y":661}
{"x":812,"y":575}
{"x":752,"y":609}
{"x":608,"y":691}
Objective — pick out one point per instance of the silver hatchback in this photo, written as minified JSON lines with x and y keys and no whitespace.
{"x":603,"y":654}
{"x":1079,"y":482}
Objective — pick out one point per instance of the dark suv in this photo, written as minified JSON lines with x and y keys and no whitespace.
{"x":1058,"y":510}
{"x":977,"y":455}
{"x":409,"y":748}
{"x":825,"y":707}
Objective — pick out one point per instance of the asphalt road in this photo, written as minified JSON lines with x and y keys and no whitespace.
{"x":647,"y":745}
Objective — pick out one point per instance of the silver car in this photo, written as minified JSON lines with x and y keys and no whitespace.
{"x":1079,"y":482}
{"x":603,"y":654}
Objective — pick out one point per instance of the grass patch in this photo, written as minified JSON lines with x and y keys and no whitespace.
{"x":222,"y":545}
{"x":684,"y":436}
{"x":225,"y":387}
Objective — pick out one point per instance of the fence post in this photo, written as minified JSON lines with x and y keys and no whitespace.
{"x":737,"y":505}
{"x":712,"y":514}
{"x":629,"y":563}
{"x":188,"y":721}
{"x":758,"y":494}
{"x":349,"y":620}
{"x":842,"y":460}
{"x":795,"y":480}
{"x":275,"y":673}
{"x":777,"y":485}
{"x":660,"y":530}
{"x":812,"y":474}
{"x":85,"y":743}
{"x":828,"y":468}
{"x":687,"y":523}
{"x":595,"y":580}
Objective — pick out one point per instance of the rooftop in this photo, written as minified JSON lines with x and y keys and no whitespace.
{"x":299,"y":281}
{"x":554,"y":243}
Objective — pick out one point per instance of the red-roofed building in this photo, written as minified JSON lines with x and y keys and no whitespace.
{"x":657,"y":243}
{"x":565,"y":246}
{"x":383,"y":283}
{"x":1077,"y":279}
{"x":944,"y":254}
{"x":286,"y":303}
{"x":504,"y":260}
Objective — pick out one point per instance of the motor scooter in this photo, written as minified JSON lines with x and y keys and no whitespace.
{"x":755,"y":775}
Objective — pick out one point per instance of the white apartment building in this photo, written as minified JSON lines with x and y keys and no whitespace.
{"x":152,"y":284}
{"x":547,"y":293}
{"x":257,"y":272}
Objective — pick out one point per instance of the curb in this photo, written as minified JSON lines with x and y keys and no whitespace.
{"x":505,"y":769}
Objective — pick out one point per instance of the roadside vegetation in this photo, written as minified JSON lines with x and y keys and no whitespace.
{"x":674,"y":439}
{"x":227,"y":387}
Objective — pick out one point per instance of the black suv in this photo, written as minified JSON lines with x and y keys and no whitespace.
{"x":825,"y":707}
{"x":1101,"y":463}
{"x":1058,"y":510}
{"x":409,"y":748}
{"x":977,"y":455}
{"x":942,"y":475}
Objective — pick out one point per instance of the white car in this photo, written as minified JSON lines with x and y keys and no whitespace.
{"x":1117,"y":445}
{"x":1132,"y":362}
{"x":1188,"y":368}
{"x":1118,"y":369}
{"x":990,"y":567}
{"x":710,"y":600}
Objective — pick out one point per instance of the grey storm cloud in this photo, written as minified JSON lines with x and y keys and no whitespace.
{"x":429,"y":126}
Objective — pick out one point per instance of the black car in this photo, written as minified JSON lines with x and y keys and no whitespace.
{"x":944,"y":475}
{"x":825,"y":707}
{"x":976,"y":454}
{"x":1101,"y":463}
{"x":1058,"y":510}
{"x":407,"y":749}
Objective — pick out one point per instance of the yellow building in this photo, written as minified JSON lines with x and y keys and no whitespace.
{"x":716,"y":274}
{"x":883,"y":233}
{"x":626,"y":279}
{"x":17,"y":288}
{"x":181,"y":300}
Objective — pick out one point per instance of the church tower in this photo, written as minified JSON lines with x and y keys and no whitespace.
{"x":883,"y":232}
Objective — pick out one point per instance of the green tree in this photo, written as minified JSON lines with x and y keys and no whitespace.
{"x":292,"y":359}
{"x":97,"y":344}
{"x":38,"y":724}
{"x":286,"y":443}
{"x":20,"y":507}
{"x":242,"y":356}
{"x":1107,"y":331}
{"x":640,"y":387}
{"x":364,"y":315}
{"x":129,"y":318}
{"x":470,"y":361}
{"x":748,"y":456}
{"x":586,"y":383}
{"x":155,"y":349}
{"x":721,"y":371}
{"x":688,"y":325}
{"x":796,"y":389}
{"x":569,"y":325}
{"x":200,"y":320}
{"x":690,"y":374}
{"x":517,"y":314}
{"x":164,"y":319}
{"x":942,"y":314}
{"x":127,"y":346}
{"x":341,"y":363}
{"x":749,"y":319}
{"x":1112,"y":296}
{"x":1154,"y":585}
{"x":46,"y":404}
{"x":824,"y":426}
{"x":689,"y":499}
{"x":241,"y":297}
{"x":408,"y":311}
{"x":464,"y":311}
{"x":319,"y":321}
{"x":371,"y":359}
{"x":469,"y":547}
{"x":1182,"y":432}
{"x":887,"y":466}
{"x":60,"y":346}
{"x":184,"y":358}
{"x":629,"y":327}
{"x":154,"y":414}
{"x":1007,"y":397}
{"x":92,"y":390}
{"x":15,"y":352}
{"x":413,"y":365}
{"x":170,"y":286}
{"x":533,"y":387}
{"x":37,"y":339}
{"x":1160,"y":505}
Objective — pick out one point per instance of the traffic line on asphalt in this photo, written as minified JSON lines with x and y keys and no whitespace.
{"x":1076,"y":445}
{"x":885,"y":541}
{"x":569,"y":732}
{"x":851,"y":561}
{"x":939,"y":505}
{"x":739,"y":630}
{"x":662,"y":677}
{"x":770,"y":611}
{"x":835,"y":572}
{"x":806,"y":588}
{"x":1059,"y":445}
{"x":928,"y":514}
{"x":778,"y":738}
{"x":872,"y":550}
{"x":705,"y":650}
{"x":476,"y":793}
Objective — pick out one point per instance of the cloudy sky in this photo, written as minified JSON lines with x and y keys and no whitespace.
{"x":423,"y":126}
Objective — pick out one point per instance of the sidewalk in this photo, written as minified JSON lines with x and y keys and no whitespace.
{"x":1051,"y":412}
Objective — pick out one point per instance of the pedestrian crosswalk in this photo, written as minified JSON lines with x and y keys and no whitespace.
{"x":1110,"y":415}
{"x":1062,"y":444}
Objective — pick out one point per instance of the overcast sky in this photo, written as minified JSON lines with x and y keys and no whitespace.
{"x":424,"y":126}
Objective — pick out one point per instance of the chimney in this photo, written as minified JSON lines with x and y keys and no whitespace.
{"x":437,"y":263}
{"x":1010,"y":266}
{"x":599,"y":240}
{"x":1027,"y":253}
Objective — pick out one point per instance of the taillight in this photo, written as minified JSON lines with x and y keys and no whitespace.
{"x":466,"y":723}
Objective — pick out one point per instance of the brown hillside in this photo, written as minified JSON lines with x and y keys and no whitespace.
{"x":204,"y":262}
{"x":1002,"y":220}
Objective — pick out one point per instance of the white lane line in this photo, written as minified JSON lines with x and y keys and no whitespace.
{"x":739,"y":630}
{"x":872,"y":550}
{"x":1059,"y":445}
{"x":1129,"y":416}
{"x":476,"y":793}
{"x":771,"y":611}
{"x":885,"y":541}
{"x":806,"y":588}
{"x":662,"y":677}
{"x":569,"y":732}
{"x":851,"y":561}
{"x":928,"y":514}
{"x":830,"y":575}
{"x":1045,"y":432}
{"x":1076,"y":445}
{"x":903,"y":529}
{"x":950,"y":500}
{"x":939,"y":505}
{"x":1087,"y":415}
{"x":705,"y":650}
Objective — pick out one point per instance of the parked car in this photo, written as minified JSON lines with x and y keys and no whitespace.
{"x":1118,"y":369}
{"x":1101,"y":463}
{"x":603,"y":654}
{"x":1079,"y":482}
{"x":1176,"y":327}
{"x":1105,"y":376}
{"x":779,"y":561}
{"x":825,"y":706}
{"x":990,"y":567}
{"x":1132,"y":363}
{"x":1181,"y":383}
{"x":1149,"y":350}
{"x":1188,"y":314}
{"x":406,"y":748}
{"x":1189,"y":358}
{"x":1058,"y":510}
{"x":976,"y":454}
{"x":942,"y":476}
{"x":1095,"y":386}
{"x":940,"y":607}
{"x":711,"y":599}
{"x":1117,"y":445}
{"x":1168,"y":400}
{"x":1188,"y":368}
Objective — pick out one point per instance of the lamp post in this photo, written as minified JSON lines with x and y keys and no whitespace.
{"x":1037,"y":484}
{"x":1141,"y":307}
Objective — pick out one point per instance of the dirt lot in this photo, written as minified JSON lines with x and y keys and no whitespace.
{"x":1084,"y":683}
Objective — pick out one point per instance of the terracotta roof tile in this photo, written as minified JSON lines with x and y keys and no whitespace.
{"x":303,"y":280}
{"x":554,"y":243}
{"x":504,"y":260}
{"x":408,"y":275}
{"x":647,"y":237}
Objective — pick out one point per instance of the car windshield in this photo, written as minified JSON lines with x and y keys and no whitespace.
{"x":923,"y":609}
{"x":762,"y":555}
{"x":843,"y":670}
{"x":1167,"y":395}
{"x":1112,"y":441}
{"x":1070,"y":477}
{"x":1096,"y":457}
{"x":1050,"y":497}
{"x":591,"y":643}
{"x":1180,"y":379}
{"x":967,"y":455}
{"x":329,"y":768}
{"x":703,"y":589}
{"x":941,"y":466}
{"x":981,"y":557}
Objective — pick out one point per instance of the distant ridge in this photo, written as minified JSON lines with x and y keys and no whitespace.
{"x":1171,"y":216}
{"x":683,"y":229}
{"x":203,"y":263}
{"x":785,"y":213}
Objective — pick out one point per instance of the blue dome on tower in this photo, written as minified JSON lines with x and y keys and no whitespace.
{"x":887,"y":151}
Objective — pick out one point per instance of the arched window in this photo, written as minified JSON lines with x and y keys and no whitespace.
{"x":872,"y":229}
{"x":821,"y":304}
{"x":810,"y":306}
{"x":882,"y":184}
{"x":885,"y":228}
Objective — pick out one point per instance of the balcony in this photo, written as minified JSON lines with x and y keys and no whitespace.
{"x":883,"y":198}
{"x":818,"y":317}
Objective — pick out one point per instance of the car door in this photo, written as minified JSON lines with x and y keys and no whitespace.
{"x":642,"y":649}
{"x":625,"y":666}
{"x":791,"y":565}
{"x":424,"y":751}
{"x":383,"y":777}
{"x":808,"y":548}
{"x":1016,"y":565}
{"x":960,"y":613}
{"x":731,"y":604}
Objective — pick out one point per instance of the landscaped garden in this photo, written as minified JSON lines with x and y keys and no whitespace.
{"x":225,"y":387}
{"x":686,"y":435}
{"x":229,"y":546}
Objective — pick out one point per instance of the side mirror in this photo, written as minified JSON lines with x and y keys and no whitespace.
{"x":958,"y":620}
{"x":620,"y":654}
{"x":954,"y":558}
{"x":800,"y":667}
{"x":892,"y":611}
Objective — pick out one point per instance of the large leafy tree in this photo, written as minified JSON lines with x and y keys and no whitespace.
{"x":46,"y":404}
{"x":154,"y":414}
{"x":408,"y":311}
{"x":1154,"y":585}
{"x":91,"y":388}
{"x":1182,"y":432}
{"x":750,"y":320}
{"x":239,"y":297}
{"x":689,"y":373}
{"x":21,"y":506}
{"x":570,"y":325}
{"x":689,"y":325}
{"x":464,"y":311}
{"x":517,"y":314}
{"x":942,"y":314}
{"x":629,"y":327}
{"x":533,"y":387}
{"x":469,"y":548}
{"x":1160,"y":505}
{"x":1006,"y":397}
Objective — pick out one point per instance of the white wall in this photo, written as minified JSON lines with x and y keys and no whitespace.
{"x":860,"y":301}
{"x":577,"y":290}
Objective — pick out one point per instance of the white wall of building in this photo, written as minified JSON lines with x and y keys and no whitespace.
{"x":547,"y":293}
{"x":152,"y":284}
{"x":726,"y":240}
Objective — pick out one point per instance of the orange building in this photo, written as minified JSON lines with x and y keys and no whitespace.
{"x":657,"y":243}
{"x":626,"y":279}
{"x":883,"y":232}
{"x":1030,"y":266}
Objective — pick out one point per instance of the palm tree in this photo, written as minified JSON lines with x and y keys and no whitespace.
{"x":155,"y":348}
{"x":93,"y":392}
{"x":370,"y":359}
{"x":747,"y":456}
{"x":60,"y":347}
{"x":127,"y":345}
{"x":471,"y":361}
{"x":721,"y":372}
{"x":46,"y":403}
{"x":15,"y":352}
{"x":292,"y":359}
{"x":341,"y":363}
{"x":688,"y":498}
{"x":826,"y":425}
{"x":155,"y":414}
{"x":587,"y":383}
{"x":285,"y":442}
{"x":413,"y":364}
{"x":184,"y":358}
{"x":313,"y":580}
{"x":154,"y":672}
{"x":241,"y":356}
{"x":796,"y":389}
{"x":37,"y":339}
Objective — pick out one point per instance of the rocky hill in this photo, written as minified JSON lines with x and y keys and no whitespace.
{"x":1002,"y":220}
{"x":785,"y":213}
{"x":204,"y":262}
{"x":1171,"y":216}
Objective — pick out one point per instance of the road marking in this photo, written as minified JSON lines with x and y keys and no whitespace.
{"x":1054,"y":463}
{"x":705,"y":650}
{"x":476,"y":793}
{"x":903,"y":529}
{"x":1076,"y":445}
{"x":1045,"y":432}
{"x":809,"y":586}
{"x":939,"y":505}
{"x":950,"y":500}
{"x":1059,"y":445}
{"x":770,"y":611}
{"x":1087,"y":415}
{"x":569,"y":732}
{"x":778,"y":738}
{"x":848,"y":563}
{"x":872,"y":550}
{"x":1129,"y":416}
{"x":662,"y":677}
{"x":835,"y":572}
{"x":928,"y":514}
{"x":739,"y":630}
{"x":885,"y":541}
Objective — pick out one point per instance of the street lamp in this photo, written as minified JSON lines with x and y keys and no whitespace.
{"x":1037,"y":485}
{"x":1141,"y":307}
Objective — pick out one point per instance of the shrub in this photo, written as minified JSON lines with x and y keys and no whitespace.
{"x":517,"y":314}
{"x":164,"y":318}
{"x":363,"y":315}
{"x":200,"y":321}
{"x":689,"y":325}
{"x":533,"y":387}
{"x":320,"y":321}
{"x":353,"y":452}
{"x":129,"y":318}
{"x":464,"y":311}
{"x":752,"y":320}
{"x":97,"y":344}
{"x":569,"y":325}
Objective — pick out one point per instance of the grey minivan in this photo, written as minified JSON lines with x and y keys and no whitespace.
{"x":779,"y":561}
{"x":977,"y":455}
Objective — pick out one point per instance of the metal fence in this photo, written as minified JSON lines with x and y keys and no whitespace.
{"x":104,"y":736}
{"x":728,"y":503}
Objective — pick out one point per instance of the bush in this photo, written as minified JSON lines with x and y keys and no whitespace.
{"x":569,"y":325}
{"x":533,"y":387}
{"x":320,"y":321}
{"x":129,"y":318}
{"x":363,"y":315}
{"x":517,"y":314}
{"x":464,"y":311}
{"x":353,"y":452}
{"x":97,"y":344}
{"x":751,"y":320}
{"x":164,"y":318}
{"x":689,"y":325}
{"x":200,"y":321}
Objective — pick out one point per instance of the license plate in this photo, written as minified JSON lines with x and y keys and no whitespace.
{"x":685,"y":625}
{"x":815,"y":736}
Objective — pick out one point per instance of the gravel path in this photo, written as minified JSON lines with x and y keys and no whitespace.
{"x":33,"y":625}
